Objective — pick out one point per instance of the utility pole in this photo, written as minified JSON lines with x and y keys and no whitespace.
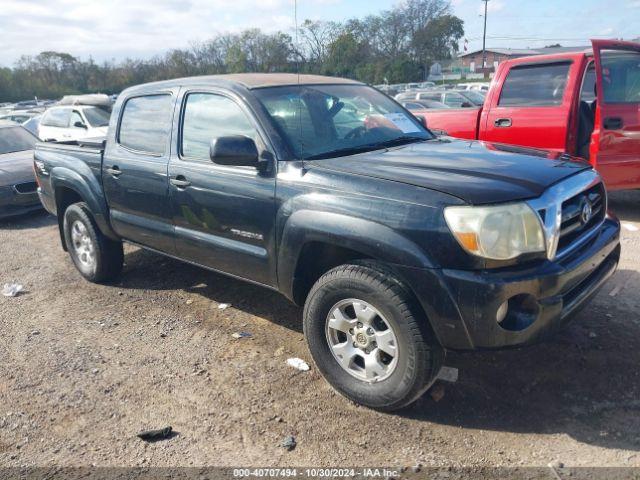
{"x":484,"y":36}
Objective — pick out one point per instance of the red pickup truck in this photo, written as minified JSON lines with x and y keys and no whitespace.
{"x":586,"y":104}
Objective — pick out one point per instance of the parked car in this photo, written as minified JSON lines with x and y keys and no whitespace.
{"x":422,"y":104}
{"x":450,"y":98}
{"x":26,"y":104}
{"x":17,"y":183}
{"x":68,"y":123}
{"x":18,"y":116}
{"x":548,"y":102}
{"x":399,"y":244}
{"x":474,"y":86}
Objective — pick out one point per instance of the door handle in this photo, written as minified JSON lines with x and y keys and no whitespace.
{"x":114,"y":171}
{"x":180,"y":182}
{"x":502,"y":122}
{"x":612,"y":123}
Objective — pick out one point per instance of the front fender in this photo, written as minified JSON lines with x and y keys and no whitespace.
{"x":82,"y":181}
{"x":372,"y":239}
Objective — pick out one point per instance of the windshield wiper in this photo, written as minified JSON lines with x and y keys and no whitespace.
{"x":402,"y":140}
{"x":343,"y":152}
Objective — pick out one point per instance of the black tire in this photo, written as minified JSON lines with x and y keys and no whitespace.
{"x":420,"y":356}
{"x":108,"y":255}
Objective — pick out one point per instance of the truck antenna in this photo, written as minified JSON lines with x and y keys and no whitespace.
{"x":295,"y":19}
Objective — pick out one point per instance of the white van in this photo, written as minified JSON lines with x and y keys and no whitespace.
{"x":66,"y":123}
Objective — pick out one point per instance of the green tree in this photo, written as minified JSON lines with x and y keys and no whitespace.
{"x":346,"y":55}
{"x":437,"y":39}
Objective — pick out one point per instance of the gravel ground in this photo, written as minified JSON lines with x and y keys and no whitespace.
{"x":84,"y":367}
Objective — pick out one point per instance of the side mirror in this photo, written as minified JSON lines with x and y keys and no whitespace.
{"x":79,"y":124}
{"x":234,"y":150}
{"x":466,"y":105}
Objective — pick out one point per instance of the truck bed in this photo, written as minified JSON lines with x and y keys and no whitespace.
{"x":456,"y":122}
{"x":94,"y":143}
{"x":82,"y":157}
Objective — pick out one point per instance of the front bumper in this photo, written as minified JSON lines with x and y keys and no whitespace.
{"x":19,"y":199}
{"x":463,"y":305}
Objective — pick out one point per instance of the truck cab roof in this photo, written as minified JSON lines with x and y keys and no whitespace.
{"x":246,"y":80}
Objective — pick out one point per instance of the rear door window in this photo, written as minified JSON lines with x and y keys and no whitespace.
{"x":146,"y":123}
{"x":58,"y":117}
{"x":620,"y":76}
{"x":535,"y":85}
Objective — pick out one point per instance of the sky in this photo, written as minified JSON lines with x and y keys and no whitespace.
{"x":117,"y":29}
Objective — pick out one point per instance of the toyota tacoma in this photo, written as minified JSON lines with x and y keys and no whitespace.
{"x":400,"y":245}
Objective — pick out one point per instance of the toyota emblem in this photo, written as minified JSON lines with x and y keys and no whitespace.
{"x":587,"y":211}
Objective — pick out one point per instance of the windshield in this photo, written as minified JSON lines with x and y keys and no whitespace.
{"x":321,"y":121}
{"x":97,"y":117}
{"x":16,"y":139}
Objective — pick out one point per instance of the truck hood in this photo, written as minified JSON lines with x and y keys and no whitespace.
{"x":16,"y":167}
{"x":477,"y":172}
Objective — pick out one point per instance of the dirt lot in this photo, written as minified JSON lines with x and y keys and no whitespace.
{"x":84,"y":367}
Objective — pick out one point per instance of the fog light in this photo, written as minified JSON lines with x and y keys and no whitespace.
{"x":521,"y":311}
{"x":501,"y":314}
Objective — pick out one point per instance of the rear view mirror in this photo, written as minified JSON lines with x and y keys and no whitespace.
{"x":234,"y":150}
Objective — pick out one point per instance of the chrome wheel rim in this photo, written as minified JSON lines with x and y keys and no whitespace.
{"x":82,"y":244}
{"x":361,"y":340}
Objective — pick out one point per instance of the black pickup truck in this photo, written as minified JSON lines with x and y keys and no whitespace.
{"x":399,"y":244}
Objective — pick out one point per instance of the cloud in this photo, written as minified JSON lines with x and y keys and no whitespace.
{"x":125,"y":28}
{"x":492,"y":6}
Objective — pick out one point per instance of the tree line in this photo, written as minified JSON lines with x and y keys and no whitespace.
{"x":396,"y":45}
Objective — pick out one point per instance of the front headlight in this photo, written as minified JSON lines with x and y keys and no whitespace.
{"x":497,"y":232}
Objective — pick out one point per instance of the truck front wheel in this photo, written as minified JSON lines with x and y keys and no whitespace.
{"x":98,"y":258}
{"x":369,"y":337}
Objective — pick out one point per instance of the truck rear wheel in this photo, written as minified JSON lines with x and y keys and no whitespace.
{"x":98,"y":258}
{"x":369,"y":337}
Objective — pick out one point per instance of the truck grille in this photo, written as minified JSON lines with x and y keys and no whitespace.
{"x":571,"y":212}
{"x":580,"y":214}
